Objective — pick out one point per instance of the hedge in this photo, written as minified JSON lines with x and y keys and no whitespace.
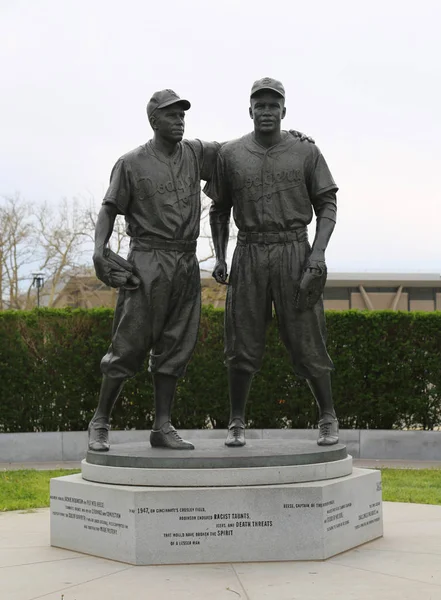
{"x":387,"y":374}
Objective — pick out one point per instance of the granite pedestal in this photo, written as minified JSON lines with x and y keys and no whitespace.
{"x":272,"y":500}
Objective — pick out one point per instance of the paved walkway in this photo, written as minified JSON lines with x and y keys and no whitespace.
{"x":404,"y":565}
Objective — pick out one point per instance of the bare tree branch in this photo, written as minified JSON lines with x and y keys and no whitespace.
{"x":63,"y":241}
{"x":16,"y":248}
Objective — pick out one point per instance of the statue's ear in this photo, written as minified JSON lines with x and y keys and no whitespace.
{"x":251,"y":112}
{"x":283,"y":112}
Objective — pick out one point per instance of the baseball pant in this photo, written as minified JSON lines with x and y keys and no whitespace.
{"x":266,"y":270}
{"x":161,"y":316}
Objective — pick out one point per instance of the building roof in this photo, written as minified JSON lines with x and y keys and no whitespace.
{"x":342,"y":279}
{"x":338,"y":279}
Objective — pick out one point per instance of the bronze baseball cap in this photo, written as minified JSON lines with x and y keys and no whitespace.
{"x":267,"y":83}
{"x":165,"y":98}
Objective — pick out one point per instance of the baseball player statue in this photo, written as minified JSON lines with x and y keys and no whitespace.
{"x":157,"y":188}
{"x":274,"y":183}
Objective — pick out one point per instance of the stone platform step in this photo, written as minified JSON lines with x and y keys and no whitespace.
{"x":212,"y":464}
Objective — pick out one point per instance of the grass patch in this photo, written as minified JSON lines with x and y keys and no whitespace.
{"x":419,"y":486}
{"x":28,"y":489}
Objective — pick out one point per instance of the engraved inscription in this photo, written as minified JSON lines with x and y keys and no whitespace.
{"x":94,"y":515}
{"x":216,"y":524}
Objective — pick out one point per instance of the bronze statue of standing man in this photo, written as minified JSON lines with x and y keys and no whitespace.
{"x":274,"y":183}
{"x":157,"y":189}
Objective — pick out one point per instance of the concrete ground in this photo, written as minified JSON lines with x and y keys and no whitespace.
{"x":403,"y":565}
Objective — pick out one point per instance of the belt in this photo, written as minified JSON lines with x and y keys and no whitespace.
{"x":272,"y":237}
{"x":154,"y":243}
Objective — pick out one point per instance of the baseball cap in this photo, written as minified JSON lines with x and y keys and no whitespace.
{"x":267,"y":83}
{"x":165,"y":98}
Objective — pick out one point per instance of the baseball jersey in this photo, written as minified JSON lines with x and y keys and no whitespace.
{"x":159,"y":195}
{"x":271,"y":189}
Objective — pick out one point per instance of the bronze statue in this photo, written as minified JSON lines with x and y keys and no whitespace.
{"x":273,"y":183}
{"x":157,"y":188}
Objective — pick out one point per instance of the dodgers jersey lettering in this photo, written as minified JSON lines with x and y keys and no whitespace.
{"x":272,"y":189}
{"x":160,"y":195}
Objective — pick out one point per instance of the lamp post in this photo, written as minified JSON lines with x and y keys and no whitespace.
{"x":38,"y":281}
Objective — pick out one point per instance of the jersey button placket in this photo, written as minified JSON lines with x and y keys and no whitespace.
{"x":172,"y":171}
{"x":266,"y":190}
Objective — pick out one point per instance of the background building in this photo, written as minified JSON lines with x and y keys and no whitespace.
{"x":364,"y":291}
{"x":383,"y":291}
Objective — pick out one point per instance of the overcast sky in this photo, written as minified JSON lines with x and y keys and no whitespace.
{"x":362,"y":78}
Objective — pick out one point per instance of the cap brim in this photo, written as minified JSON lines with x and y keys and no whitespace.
{"x":267,"y":87}
{"x":185,"y":103}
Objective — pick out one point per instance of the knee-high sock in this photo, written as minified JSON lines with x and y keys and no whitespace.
{"x":109,"y":393}
{"x":322,"y":391}
{"x":239,"y":383}
{"x":164,"y":388}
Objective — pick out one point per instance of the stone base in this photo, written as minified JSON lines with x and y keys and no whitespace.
{"x":163,"y":525}
{"x":212,"y":464}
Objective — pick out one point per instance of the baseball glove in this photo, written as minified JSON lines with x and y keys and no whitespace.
{"x":311,"y":285}
{"x":119,"y":263}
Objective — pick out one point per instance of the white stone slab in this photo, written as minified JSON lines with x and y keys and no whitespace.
{"x":31,"y":447}
{"x":400,"y":445}
{"x":151,"y":526}
{"x":216,"y":477}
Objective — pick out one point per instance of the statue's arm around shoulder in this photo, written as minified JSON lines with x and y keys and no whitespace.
{"x":302,"y":136}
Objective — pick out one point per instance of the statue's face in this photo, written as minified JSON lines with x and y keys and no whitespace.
{"x":169,"y":122}
{"x":267,"y":111}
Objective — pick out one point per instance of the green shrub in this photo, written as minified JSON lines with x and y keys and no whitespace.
{"x":387,"y":374}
